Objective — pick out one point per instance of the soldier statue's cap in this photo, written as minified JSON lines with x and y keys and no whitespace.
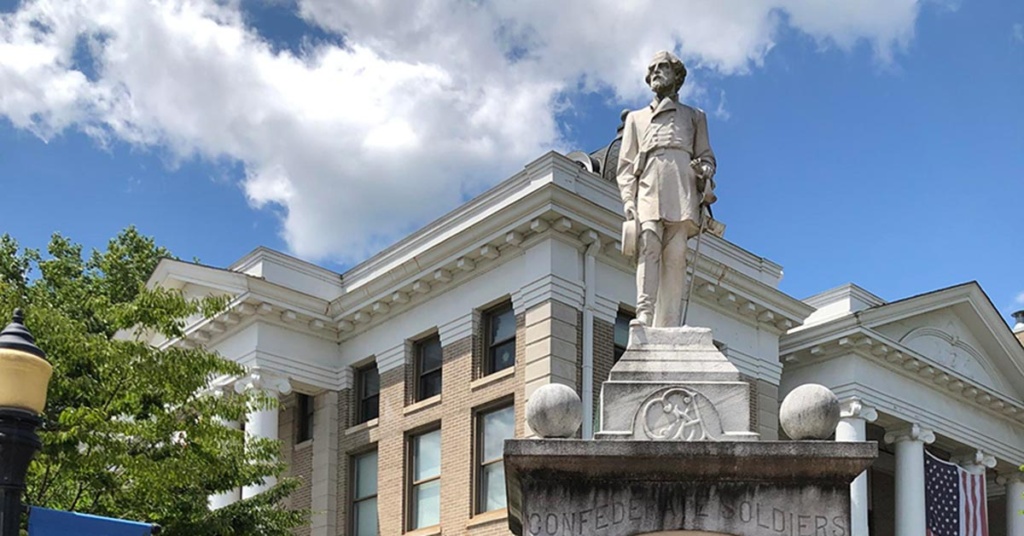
{"x":659,"y":57}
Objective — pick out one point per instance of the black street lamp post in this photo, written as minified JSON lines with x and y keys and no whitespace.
{"x":24,"y":376}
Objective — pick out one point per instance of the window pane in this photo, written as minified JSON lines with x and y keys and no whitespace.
{"x":430,"y":385}
{"x":503,"y":356}
{"x":366,"y":475}
{"x":502,"y":325}
{"x":497,"y":427}
{"x":622,"y":329}
{"x":430,"y":354}
{"x":369,"y":408}
{"x":369,"y":382}
{"x":366,"y":517}
{"x":427,"y":455}
{"x":426,"y":504}
{"x":493,"y":486}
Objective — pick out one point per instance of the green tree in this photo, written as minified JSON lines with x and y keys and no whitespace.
{"x":132,"y":430}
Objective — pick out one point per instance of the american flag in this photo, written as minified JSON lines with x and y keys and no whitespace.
{"x":954,"y":499}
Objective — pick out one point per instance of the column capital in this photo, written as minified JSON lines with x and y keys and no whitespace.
{"x":1015,"y":477}
{"x":914,"y":432}
{"x":855,"y":408}
{"x":975,"y":461}
{"x":263,"y":380}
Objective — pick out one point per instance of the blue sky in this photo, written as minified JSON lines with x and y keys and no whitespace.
{"x":875,"y":142}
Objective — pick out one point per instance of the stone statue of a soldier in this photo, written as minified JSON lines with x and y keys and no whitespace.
{"x":665,"y":175}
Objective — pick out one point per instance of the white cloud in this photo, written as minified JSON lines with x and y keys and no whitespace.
{"x":1019,"y":300}
{"x":1018,"y":32}
{"x":425,"y":102}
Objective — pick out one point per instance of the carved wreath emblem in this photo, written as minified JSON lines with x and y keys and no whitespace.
{"x":674,"y":416}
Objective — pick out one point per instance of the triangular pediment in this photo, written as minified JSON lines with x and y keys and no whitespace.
{"x":959,"y":329}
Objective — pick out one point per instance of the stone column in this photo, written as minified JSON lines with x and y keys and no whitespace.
{"x":910,"y":505}
{"x":1014,"y":483}
{"x":231,"y":496}
{"x":263,"y":422}
{"x":854,"y":416}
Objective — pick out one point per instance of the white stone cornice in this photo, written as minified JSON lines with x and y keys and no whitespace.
{"x":914,"y":432}
{"x":456,"y":329}
{"x":800,"y":350}
{"x":974,"y":461}
{"x":854,"y":408}
{"x":263,"y":380}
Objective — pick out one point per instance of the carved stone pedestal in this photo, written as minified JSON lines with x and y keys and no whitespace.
{"x":674,"y":384}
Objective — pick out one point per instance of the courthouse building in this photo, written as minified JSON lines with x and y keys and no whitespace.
{"x":399,"y":379}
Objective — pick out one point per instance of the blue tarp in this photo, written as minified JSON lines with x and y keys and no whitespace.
{"x":46,"y":522}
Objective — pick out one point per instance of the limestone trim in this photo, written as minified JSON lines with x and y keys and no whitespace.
{"x":264,"y":380}
{"x":914,"y":432}
{"x":1005,"y":479}
{"x":487,"y":518}
{"x":456,"y":329}
{"x":366,"y":425}
{"x":346,"y":378}
{"x":605,"y":308}
{"x":324,"y":485}
{"x":870,"y":345}
{"x":391,"y":358}
{"x":754,"y":367}
{"x":422,"y":404}
{"x":855,"y":408}
{"x":547,"y":288}
{"x":975,"y":461}
{"x":494,"y":377}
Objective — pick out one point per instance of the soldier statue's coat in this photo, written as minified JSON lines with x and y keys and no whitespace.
{"x":658,"y":143}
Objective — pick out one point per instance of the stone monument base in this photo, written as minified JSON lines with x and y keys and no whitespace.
{"x":568,"y":487}
{"x":674,"y":384}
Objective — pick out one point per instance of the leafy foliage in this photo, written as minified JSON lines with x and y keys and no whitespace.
{"x":131,"y":430}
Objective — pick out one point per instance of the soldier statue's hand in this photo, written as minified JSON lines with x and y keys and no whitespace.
{"x":630,"y":209}
{"x":703,"y":169}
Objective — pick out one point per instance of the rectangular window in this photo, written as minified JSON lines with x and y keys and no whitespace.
{"x":622,"y":321}
{"x":304,"y":419}
{"x":364,"y":494}
{"x":425,"y":480}
{"x":367,"y":393}
{"x":428,"y":367}
{"x":493,"y":428}
{"x":500,"y":338}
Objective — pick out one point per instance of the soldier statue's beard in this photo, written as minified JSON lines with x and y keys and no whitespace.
{"x":662,"y":87}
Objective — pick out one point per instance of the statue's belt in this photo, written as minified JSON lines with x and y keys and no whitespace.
{"x":640,"y":162}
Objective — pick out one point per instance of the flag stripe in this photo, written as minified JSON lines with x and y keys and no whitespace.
{"x":955,"y":500}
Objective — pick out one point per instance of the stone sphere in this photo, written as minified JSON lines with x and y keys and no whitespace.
{"x":554,"y":410}
{"x":810,"y":411}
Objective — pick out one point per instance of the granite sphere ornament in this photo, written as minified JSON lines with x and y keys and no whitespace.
{"x":554,"y":410}
{"x":810,"y":411}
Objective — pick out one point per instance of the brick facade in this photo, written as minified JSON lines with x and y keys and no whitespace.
{"x":464,"y":392}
